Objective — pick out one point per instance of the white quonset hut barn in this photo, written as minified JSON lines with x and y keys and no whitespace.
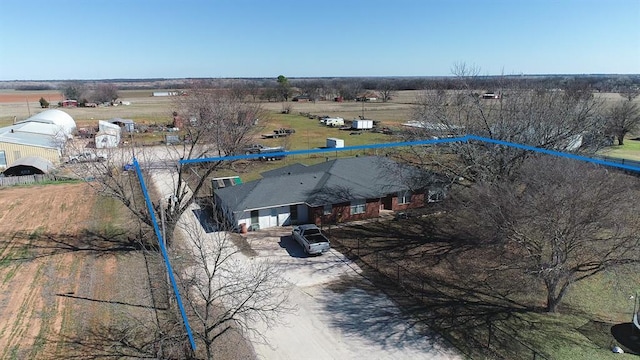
{"x":29,"y":165}
{"x":42,"y":135}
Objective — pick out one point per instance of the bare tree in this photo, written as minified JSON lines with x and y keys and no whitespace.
{"x":386,"y":89}
{"x":225,"y":290}
{"x":350,"y":89}
{"x":254,"y":89}
{"x":105,"y":93}
{"x":559,"y":221}
{"x":214,"y":125}
{"x":73,"y":90}
{"x":630,"y":91}
{"x":623,"y":118}
{"x":541,"y":118}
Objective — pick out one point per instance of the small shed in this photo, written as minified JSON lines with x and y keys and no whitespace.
{"x":335,"y":143}
{"x":108,"y":135}
{"x":29,"y":165}
{"x":125,"y":124}
{"x":106,"y":140}
{"x":362,"y":124}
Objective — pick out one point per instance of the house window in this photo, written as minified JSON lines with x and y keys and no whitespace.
{"x":358,"y":206}
{"x":435,"y":195}
{"x":404,"y":197}
{"x":293,"y":211}
{"x":3,"y":158}
{"x":254,"y":217}
{"x":327,"y":209}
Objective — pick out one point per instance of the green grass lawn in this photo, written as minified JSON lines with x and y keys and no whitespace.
{"x":630,"y":150}
{"x":582,"y":328}
{"x":310,"y":134}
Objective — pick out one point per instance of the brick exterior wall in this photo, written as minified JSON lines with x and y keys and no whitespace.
{"x":342,"y":213}
{"x":417,"y":200}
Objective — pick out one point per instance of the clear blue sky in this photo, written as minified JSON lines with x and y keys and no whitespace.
{"x":63,"y":39}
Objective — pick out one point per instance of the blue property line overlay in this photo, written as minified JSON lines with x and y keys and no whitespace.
{"x":553,"y":152}
{"x":464,"y":138}
{"x":324,"y":150}
{"x":163,"y":249}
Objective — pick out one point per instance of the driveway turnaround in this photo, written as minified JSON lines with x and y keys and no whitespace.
{"x":340,"y":314}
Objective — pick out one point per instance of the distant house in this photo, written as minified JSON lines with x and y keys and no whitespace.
{"x":367,"y":96}
{"x":339,"y":190}
{"x":69,"y":103}
{"x":303,"y":98}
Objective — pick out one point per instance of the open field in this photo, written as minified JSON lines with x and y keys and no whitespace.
{"x":62,"y":276}
{"x":71,"y":277}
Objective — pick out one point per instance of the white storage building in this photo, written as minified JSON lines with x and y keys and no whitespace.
{"x":335,"y":143}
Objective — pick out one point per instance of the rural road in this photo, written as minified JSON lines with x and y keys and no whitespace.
{"x":340,"y":314}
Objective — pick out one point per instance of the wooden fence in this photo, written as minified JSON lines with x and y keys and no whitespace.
{"x":23,"y":180}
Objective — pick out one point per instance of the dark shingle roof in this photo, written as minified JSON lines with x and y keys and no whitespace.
{"x":330,"y":182}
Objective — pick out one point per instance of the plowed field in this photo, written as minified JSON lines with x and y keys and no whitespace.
{"x":68,"y":275}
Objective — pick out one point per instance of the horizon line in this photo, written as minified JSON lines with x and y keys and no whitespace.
{"x":318,"y":77}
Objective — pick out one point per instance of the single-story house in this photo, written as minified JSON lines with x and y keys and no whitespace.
{"x":69,"y":103}
{"x":339,"y":190}
{"x":303,"y":98}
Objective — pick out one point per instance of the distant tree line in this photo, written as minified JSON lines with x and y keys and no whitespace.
{"x":273,"y":89}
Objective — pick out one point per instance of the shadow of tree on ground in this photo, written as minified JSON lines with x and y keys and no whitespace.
{"x":26,"y":246}
{"x":627,"y":335}
{"x":447,"y":283}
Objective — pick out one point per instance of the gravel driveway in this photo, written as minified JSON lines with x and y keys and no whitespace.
{"x":340,"y":314}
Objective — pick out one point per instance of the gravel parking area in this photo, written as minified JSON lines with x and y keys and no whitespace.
{"x":340,"y":314}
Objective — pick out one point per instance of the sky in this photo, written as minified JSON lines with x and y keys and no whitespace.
{"x":139,"y":39}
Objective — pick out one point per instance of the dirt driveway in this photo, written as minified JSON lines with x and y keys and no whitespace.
{"x":340,"y":314}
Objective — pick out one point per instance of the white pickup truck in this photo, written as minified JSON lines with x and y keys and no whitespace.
{"x":311,"y":239}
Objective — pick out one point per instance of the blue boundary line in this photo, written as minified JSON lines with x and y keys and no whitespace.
{"x":464,"y":138}
{"x":553,"y":152}
{"x":325,"y":150}
{"x":163,"y":249}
